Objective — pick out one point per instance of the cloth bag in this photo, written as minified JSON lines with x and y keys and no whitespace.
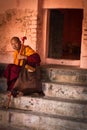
{"x":27,"y":82}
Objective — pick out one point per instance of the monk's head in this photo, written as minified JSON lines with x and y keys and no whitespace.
{"x":16,"y":43}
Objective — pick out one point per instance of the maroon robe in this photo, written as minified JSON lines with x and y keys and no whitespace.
{"x":12,"y":70}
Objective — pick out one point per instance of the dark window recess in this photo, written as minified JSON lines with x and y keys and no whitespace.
{"x":65,"y":29}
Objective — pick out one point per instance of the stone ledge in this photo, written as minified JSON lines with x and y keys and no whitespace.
{"x":36,"y":121}
{"x":3,"y":81}
{"x":64,"y":74}
{"x":2,"y":68}
{"x":3,"y":127}
{"x":65,"y":91}
{"x":46,"y":105}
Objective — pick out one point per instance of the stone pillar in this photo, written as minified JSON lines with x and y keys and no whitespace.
{"x":39,"y":26}
{"x":83,"y":63}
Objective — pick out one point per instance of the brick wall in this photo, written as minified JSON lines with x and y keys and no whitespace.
{"x":15,"y":22}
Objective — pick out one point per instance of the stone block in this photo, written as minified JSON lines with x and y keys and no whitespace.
{"x":65,"y":91}
{"x":53,"y":106}
{"x":36,"y":121}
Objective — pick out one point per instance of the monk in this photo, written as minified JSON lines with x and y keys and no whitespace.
{"x":26,"y":59}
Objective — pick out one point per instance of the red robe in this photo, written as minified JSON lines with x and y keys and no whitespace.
{"x":12,"y":70}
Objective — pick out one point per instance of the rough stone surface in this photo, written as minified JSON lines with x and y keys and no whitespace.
{"x":3,"y":84}
{"x":13,"y":128}
{"x":38,"y":121}
{"x":68,"y":108}
{"x":64,"y":75}
{"x":65,"y":91}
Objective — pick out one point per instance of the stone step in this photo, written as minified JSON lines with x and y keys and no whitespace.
{"x":3,"y":84}
{"x":64,"y":74}
{"x":37,"y":121}
{"x":52,"y":106}
{"x":65,"y":91}
{"x":12,"y":128}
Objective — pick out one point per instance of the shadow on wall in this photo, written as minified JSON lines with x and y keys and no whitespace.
{"x":3,"y":81}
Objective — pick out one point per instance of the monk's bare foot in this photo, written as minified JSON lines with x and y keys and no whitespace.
{"x":20,"y":94}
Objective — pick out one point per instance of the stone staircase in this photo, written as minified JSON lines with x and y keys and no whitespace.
{"x":64,"y":106}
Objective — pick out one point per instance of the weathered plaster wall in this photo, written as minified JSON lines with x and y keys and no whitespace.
{"x":22,"y":4}
{"x":16,"y":18}
{"x":63,"y":4}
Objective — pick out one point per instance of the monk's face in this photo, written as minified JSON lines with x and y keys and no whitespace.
{"x":15,"y":45}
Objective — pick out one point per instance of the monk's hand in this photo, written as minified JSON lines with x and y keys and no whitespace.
{"x":21,"y":57}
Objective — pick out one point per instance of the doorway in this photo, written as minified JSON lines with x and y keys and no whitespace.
{"x":65,"y":30}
